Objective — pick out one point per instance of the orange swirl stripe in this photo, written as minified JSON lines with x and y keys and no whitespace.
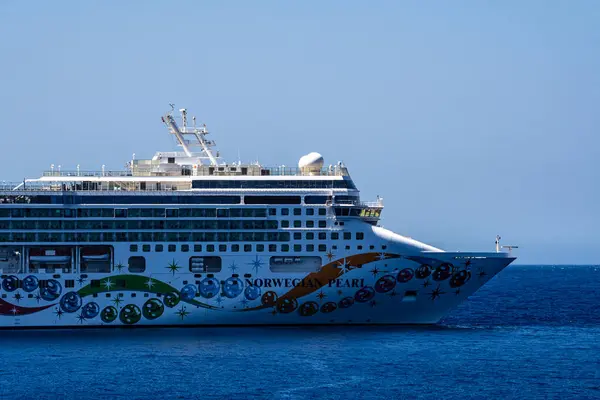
{"x":330,"y":271}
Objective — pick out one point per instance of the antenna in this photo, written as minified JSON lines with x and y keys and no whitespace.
{"x":183,"y":112}
{"x":510,"y":248}
{"x":198,"y":133}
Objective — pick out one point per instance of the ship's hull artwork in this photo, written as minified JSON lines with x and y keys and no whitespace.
{"x":362,"y":288}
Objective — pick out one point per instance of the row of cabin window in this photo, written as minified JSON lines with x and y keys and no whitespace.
{"x":298,"y":211}
{"x":223,"y":248}
{"x":158,"y":224}
{"x":69,"y":197}
{"x":307,"y":224}
{"x":146,"y":237}
{"x":141,"y":224}
{"x":172,"y":236}
{"x":332,"y":235}
{"x":153,"y":212}
{"x":133,"y":212}
{"x":273,"y":184}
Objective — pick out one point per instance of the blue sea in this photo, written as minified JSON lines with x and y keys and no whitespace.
{"x":531,"y":332}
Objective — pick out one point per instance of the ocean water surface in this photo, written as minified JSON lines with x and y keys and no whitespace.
{"x":531,"y":332}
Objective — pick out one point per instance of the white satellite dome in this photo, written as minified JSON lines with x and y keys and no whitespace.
{"x":311,"y":163}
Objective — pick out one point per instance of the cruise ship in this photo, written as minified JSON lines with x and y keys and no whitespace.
{"x":187,"y":239}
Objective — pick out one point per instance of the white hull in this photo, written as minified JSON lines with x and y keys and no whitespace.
{"x":374,"y":293}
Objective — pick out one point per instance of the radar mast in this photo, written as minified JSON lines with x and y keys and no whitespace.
{"x":198,"y":134}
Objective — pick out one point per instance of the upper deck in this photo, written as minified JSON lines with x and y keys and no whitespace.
{"x":188,"y":170}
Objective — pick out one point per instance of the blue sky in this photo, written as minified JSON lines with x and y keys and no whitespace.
{"x":470,"y":118}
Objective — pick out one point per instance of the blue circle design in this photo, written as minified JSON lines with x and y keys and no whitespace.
{"x":209,"y":288}
{"x":346,"y":302}
{"x":90,"y":310}
{"x":70,"y":302}
{"x":188,"y":292}
{"x":10,"y":283}
{"x":233,"y":287}
{"x":385,"y":284}
{"x":30,"y":283}
{"x":365,"y":294}
{"x":252,"y":292}
{"x":52,"y":290}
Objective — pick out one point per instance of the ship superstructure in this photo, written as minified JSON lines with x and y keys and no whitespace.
{"x":186,"y":239}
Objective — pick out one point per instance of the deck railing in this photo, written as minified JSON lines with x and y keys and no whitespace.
{"x":218,"y":170}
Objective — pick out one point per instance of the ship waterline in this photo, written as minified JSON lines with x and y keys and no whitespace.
{"x":184,"y":239}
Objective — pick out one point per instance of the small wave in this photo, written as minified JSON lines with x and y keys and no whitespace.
{"x":292,"y":392}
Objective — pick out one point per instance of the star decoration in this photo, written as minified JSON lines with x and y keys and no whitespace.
{"x":381,"y":256}
{"x":58,"y":312}
{"x":330,"y":255}
{"x":119,"y":267}
{"x":149,"y":283}
{"x":81,"y":318}
{"x":344,"y":266}
{"x":393,"y":293}
{"x":38,"y":297}
{"x":182,"y":312}
{"x":219,"y":300}
{"x":457,"y":292}
{"x":373,"y":303}
{"x":482,"y":273}
{"x":173,"y":267}
{"x":468,"y":262}
{"x":256,"y":264}
{"x":14,"y":311}
{"x":81,"y":281}
{"x":233,"y":267}
{"x":340,"y":292}
{"x":426,"y":283}
{"x":321,"y":295}
{"x":18,"y":296}
{"x":244,"y":303}
{"x":117,"y":300}
{"x":108,"y":283}
{"x":375,"y":271}
{"x":436,"y":293}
